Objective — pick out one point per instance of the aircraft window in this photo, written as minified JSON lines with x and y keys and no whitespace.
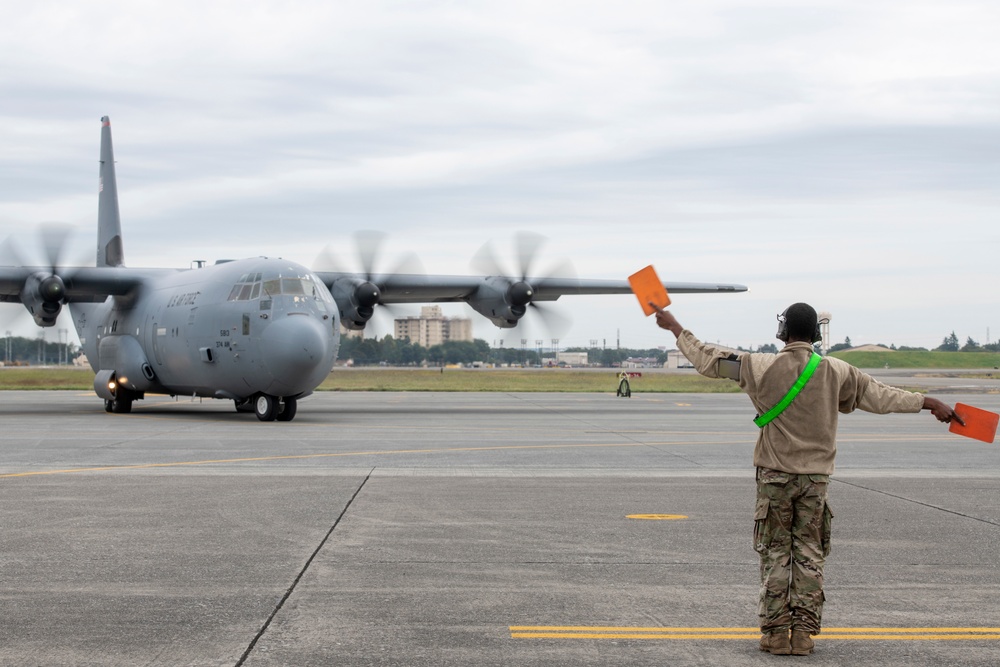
{"x":235,"y":294}
{"x":245,"y":292}
{"x":256,"y":291}
{"x":292,"y":286}
{"x":243,"y":278}
{"x":272,"y":287}
{"x":321,"y":290}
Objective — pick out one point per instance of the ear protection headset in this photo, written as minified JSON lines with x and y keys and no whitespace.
{"x":782,"y":334}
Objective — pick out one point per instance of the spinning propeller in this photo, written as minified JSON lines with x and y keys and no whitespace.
{"x":357,"y":296}
{"x":521,"y":292}
{"x":44,"y":289}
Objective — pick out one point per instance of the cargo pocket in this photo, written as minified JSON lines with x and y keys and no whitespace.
{"x":759,"y":525}
{"x":827,"y":527}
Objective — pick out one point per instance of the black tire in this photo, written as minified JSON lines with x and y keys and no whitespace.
{"x":287,"y":409}
{"x":122,"y":403}
{"x":108,"y":406}
{"x":266,"y":407}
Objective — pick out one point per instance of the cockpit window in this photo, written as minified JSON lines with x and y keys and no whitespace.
{"x":272,"y":287}
{"x":300,"y":286}
{"x":292,"y":286}
{"x":247,"y":288}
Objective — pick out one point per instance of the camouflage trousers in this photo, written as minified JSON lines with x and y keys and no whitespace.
{"x":792,"y":535}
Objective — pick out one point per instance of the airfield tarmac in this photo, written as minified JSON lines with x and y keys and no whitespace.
{"x":471,"y":529}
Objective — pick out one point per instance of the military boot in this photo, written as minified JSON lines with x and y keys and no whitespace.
{"x":802,"y":643}
{"x":776,"y":643}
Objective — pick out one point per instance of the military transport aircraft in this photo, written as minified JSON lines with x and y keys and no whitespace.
{"x":262,"y":332}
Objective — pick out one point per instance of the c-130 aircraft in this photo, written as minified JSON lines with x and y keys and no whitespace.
{"x":260,"y":332}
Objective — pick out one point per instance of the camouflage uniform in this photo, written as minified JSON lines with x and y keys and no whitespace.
{"x":792,"y":536}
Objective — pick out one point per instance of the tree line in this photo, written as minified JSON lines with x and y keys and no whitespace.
{"x":35,"y":351}
{"x":402,"y":352}
{"x":950,"y":343}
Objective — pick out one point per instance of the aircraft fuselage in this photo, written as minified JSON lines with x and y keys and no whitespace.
{"x":233,"y":330}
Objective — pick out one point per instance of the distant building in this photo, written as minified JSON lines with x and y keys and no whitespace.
{"x":676,"y":359}
{"x":640,"y":362}
{"x":432,"y":328}
{"x":572,"y":358}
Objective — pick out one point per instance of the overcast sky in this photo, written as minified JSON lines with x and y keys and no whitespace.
{"x":842,"y":153}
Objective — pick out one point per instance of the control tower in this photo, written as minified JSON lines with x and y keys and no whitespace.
{"x":824,"y":329}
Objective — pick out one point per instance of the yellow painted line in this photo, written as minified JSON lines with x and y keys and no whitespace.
{"x":313,"y":456}
{"x":871,"y":634}
{"x":656,"y":517}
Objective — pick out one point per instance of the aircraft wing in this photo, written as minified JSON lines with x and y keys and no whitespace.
{"x":44,"y":290}
{"x":501,"y":299}
{"x":79,"y":284}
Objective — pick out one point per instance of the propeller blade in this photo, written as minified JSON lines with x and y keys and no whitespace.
{"x":527,"y":245}
{"x":555,"y":322}
{"x":327,"y":260}
{"x":369,"y":246}
{"x":562,"y":271}
{"x":54,"y":243}
{"x":407,"y":264}
{"x":485,"y":261}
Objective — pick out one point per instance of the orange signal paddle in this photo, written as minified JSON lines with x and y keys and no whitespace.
{"x":647,"y":287}
{"x":979,"y":424}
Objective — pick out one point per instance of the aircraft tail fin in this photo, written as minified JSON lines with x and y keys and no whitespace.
{"x":110,"y":251}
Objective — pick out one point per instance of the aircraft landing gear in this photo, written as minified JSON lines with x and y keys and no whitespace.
{"x":287,"y":409}
{"x":121,"y":404}
{"x":268,"y":408}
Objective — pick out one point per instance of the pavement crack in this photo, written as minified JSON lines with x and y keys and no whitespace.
{"x":302,"y":572}
{"x":917,"y":502}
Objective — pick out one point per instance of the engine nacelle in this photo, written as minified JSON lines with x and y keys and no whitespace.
{"x":43,"y":295}
{"x":501,"y":301}
{"x":356,"y":302}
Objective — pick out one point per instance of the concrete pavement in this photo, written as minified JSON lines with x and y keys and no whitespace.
{"x":465,"y":529}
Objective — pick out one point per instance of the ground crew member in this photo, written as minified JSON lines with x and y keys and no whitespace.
{"x":797,"y":396}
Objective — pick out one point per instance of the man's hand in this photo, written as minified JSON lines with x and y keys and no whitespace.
{"x":665,"y":320}
{"x":941,"y":410}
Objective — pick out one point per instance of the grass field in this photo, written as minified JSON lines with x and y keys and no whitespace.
{"x":518,"y":380}
{"x":360,"y":379}
{"x":919,"y":359}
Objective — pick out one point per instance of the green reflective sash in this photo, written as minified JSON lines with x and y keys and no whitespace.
{"x":766,"y":418}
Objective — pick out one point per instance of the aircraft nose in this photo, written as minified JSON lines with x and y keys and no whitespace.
{"x":298,"y":353}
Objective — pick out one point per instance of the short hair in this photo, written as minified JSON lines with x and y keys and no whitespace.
{"x":801,"y":320}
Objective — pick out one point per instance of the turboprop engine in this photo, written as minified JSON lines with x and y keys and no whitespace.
{"x":43,"y":295}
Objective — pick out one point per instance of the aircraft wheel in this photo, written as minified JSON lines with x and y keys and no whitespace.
{"x":122,"y":404}
{"x":266,"y":407}
{"x":108,"y":406}
{"x":287,"y":409}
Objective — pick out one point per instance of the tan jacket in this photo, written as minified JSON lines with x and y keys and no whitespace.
{"x":803,"y":438}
